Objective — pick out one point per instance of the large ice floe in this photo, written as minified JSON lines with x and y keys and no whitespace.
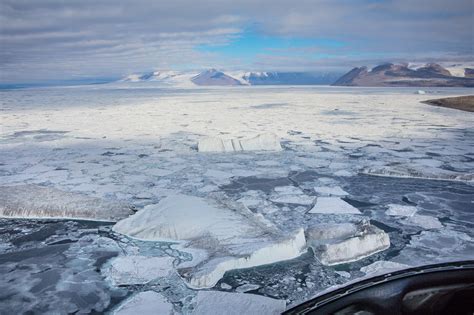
{"x":213,"y":302}
{"x":33,"y":201}
{"x":262,"y":142}
{"x":126,"y":270}
{"x":333,"y":205}
{"x":341,"y":243}
{"x":228,"y":238}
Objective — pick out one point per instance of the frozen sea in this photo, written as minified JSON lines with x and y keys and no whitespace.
{"x":407,"y":167}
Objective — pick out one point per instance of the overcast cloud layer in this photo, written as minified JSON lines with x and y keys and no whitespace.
{"x":59,"y":40}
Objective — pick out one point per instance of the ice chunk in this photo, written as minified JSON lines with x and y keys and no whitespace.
{"x":330,"y":191}
{"x":137,"y":269}
{"x":333,"y":205}
{"x":262,"y":142}
{"x":144,"y":303}
{"x":400,"y":210}
{"x":32,"y":201}
{"x":324,"y":232}
{"x":383,"y":266}
{"x":234,"y":238}
{"x":346,"y":247}
{"x":213,"y":302}
{"x":424,"y":221}
{"x":247,"y":287}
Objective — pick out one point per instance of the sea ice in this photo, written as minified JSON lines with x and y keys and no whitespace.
{"x":32,"y":201}
{"x":400,"y":210}
{"x":126,"y":270}
{"x":383,"y":266}
{"x":330,"y":191}
{"x":262,"y":142}
{"x":346,"y":246}
{"x":145,"y":303}
{"x":424,"y":221}
{"x":292,"y":195}
{"x":233,"y":238}
{"x":333,"y":205}
{"x":213,"y":302}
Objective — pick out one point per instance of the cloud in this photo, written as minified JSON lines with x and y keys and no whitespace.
{"x":55,"y":39}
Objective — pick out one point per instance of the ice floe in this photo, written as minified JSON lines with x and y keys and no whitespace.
{"x":213,"y":302}
{"x":262,"y":142}
{"x":127,"y":270}
{"x":334,"y":244}
{"x":383,"y":266}
{"x":330,"y":191}
{"x":33,"y":201}
{"x":333,"y":205}
{"x":412,"y":217}
{"x":233,"y":238}
{"x":146,"y":303}
{"x":292,"y":195}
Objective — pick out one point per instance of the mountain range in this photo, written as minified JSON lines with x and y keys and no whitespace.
{"x":388,"y":74}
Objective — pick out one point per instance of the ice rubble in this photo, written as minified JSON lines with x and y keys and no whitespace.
{"x":341,"y":243}
{"x":412,"y":218}
{"x":333,"y":205}
{"x":213,"y":302}
{"x":127,"y":270}
{"x":32,"y":201}
{"x":262,"y":142}
{"x":231,"y":238}
{"x":144,"y":303}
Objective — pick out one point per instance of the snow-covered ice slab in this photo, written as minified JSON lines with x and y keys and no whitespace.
{"x":145,"y":303}
{"x":292,"y":195}
{"x":400,"y":210}
{"x":346,"y":243}
{"x":333,"y":205}
{"x":127,"y":270}
{"x":383,"y":266}
{"x":32,"y":201}
{"x":213,"y":302}
{"x":232,"y":238}
{"x":330,"y":191}
{"x":262,"y":142}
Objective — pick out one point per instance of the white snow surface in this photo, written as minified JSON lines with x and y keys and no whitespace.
{"x":213,"y":302}
{"x":145,"y":303}
{"x":133,"y":269}
{"x":333,"y":205}
{"x":33,"y":201}
{"x":261,"y":142}
{"x":234,"y":238}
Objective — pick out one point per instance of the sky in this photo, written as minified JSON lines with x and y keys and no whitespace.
{"x":74,"y":40}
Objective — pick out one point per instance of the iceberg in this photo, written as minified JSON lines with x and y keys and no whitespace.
{"x":333,"y":205}
{"x":143,"y":303}
{"x":262,"y":142}
{"x":232,"y":238}
{"x":128,"y":270}
{"x":337,"y":244}
{"x":213,"y":302}
{"x":33,"y":201}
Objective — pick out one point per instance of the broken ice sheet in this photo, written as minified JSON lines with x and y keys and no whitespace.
{"x":233,"y":238}
{"x":333,"y":205}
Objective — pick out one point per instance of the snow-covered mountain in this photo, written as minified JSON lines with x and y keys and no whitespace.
{"x":213,"y":77}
